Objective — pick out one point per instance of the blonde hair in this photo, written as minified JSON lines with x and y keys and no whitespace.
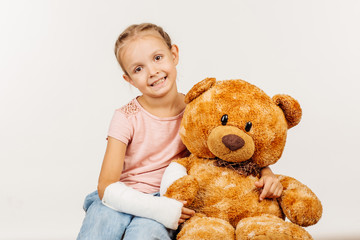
{"x":132,"y":31}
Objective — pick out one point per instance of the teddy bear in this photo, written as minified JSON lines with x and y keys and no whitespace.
{"x":233,"y":129}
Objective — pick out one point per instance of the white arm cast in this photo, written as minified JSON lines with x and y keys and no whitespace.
{"x":172,"y":173}
{"x":125,"y":199}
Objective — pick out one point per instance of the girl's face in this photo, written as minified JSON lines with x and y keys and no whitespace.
{"x":150,"y":65}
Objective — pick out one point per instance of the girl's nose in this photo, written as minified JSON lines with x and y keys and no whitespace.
{"x":153,"y":70}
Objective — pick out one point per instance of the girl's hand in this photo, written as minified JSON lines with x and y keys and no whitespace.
{"x":272,"y":187}
{"x":186,"y":213}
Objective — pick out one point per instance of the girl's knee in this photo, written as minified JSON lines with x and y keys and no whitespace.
{"x":144,"y":228}
{"x":108,"y":217}
{"x":90,"y":198}
{"x":106,"y":223}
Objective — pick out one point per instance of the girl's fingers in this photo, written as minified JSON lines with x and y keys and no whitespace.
{"x":185,"y":216}
{"x":187,"y":211}
{"x":260,"y":183}
{"x":273,"y":190}
{"x":264,"y":192}
{"x":279,"y":192}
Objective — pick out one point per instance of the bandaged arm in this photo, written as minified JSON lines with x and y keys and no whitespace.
{"x":172,"y":173}
{"x":125,"y":199}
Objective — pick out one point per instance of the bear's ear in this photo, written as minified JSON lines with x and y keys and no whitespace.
{"x":199,"y":89}
{"x":290,"y":107}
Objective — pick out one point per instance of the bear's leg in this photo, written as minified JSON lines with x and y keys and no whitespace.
{"x":206,"y":228}
{"x":269,"y":227}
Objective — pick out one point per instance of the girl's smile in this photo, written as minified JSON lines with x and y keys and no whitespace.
{"x":159,"y":82}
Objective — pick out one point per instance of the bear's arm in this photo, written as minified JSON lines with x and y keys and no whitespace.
{"x":176,"y":169}
{"x":299,"y":204}
{"x":172,"y":173}
{"x":183,"y":188}
{"x":184,"y":161}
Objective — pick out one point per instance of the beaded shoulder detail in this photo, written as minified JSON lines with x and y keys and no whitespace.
{"x":130,"y":108}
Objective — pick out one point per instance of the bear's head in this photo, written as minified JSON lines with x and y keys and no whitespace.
{"x":236,"y":121}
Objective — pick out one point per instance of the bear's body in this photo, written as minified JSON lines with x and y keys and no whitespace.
{"x":233,"y":129}
{"x":224,"y":193}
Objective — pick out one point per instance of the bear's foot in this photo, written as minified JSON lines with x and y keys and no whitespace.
{"x":270,"y":228}
{"x":206,"y":228}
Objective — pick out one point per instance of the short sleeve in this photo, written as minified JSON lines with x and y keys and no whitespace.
{"x":120,"y":127}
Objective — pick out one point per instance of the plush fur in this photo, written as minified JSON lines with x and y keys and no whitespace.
{"x":227,"y":153}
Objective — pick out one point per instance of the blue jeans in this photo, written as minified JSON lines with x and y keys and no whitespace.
{"x":104,"y":223}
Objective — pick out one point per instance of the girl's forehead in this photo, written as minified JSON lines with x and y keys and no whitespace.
{"x":145,"y":35}
{"x":151,"y":40}
{"x":148,"y":33}
{"x":146,"y":43}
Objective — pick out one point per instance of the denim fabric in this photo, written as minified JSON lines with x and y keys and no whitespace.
{"x":103,"y":223}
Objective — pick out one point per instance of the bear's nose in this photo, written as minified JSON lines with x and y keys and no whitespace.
{"x":233,"y":142}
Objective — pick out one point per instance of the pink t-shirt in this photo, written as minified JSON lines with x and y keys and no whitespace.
{"x":152,"y":143}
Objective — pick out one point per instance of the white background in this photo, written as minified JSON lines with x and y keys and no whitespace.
{"x":60,"y":83}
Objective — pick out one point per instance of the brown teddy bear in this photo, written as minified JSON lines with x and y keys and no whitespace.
{"x":233,"y":129}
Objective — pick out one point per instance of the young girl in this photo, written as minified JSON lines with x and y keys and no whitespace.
{"x":142,"y":140}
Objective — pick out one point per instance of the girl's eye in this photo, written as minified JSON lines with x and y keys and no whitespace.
{"x":138,"y":69}
{"x":158,"y":57}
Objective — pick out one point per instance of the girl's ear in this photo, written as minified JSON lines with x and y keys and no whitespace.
{"x":175,"y":53}
{"x":128,"y":79}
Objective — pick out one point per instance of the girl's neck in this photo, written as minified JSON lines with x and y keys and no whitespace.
{"x":167,"y":106}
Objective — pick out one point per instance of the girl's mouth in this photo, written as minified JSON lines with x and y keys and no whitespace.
{"x":158,"y":81}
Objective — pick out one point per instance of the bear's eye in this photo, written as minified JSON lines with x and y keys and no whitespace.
{"x":224,"y":119}
{"x":248,"y":126}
